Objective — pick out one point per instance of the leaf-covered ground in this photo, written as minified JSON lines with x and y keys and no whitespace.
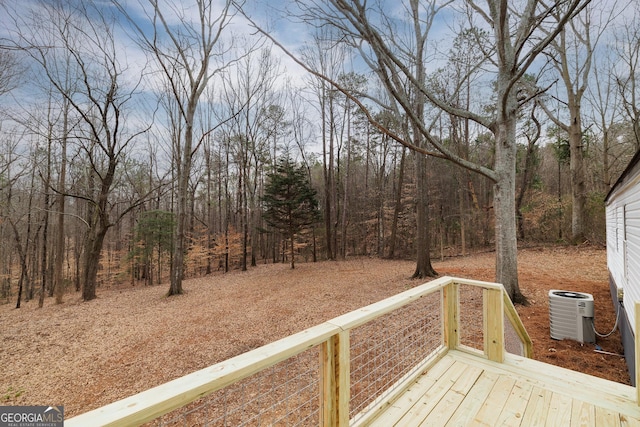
{"x":85,"y":355}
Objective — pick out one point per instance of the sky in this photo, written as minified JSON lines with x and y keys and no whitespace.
{"x":284,"y":29}
{"x":279,"y":23}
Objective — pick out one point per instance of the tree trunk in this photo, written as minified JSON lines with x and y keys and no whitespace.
{"x":578,"y":190}
{"x":77,"y":255}
{"x":315,"y":252}
{"x":504,"y":131}
{"x":45,"y":238}
{"x":99,"y":225}
{"x":462,"y":212}
{"x":180,"y":236}
{"x":398,"y":206}
{"x":24,"y":271}
{"x":92,"y":262}
{"x":292,"y":250}
{"x":242,"y":196}
{"x":45,"y":226}
{"x":423,"y":240}
{"x":177,"y":260}
{"x":210,"y":217}
{"x":606,"y":168}
{"x":526,"y":178}
{"x":327,"y":175}
{"x":60,"y":201}
{"x":346,"y":189}
{"x":504,"y":207}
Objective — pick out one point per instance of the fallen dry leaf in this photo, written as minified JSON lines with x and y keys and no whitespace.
{"x":85,"y":355}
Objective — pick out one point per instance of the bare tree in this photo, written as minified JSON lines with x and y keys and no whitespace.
{"x":325,"y":56}
{"x":11,"y":171}
{"x":11,"y":70}
{"x":513,"y":46}
{"x":249,"y":92}
{"x":454,"y":82}
{"x":302,"y":131}
{"x":49,"y":125}
{"x":628,"y":78}
{"x":572,"y":56}
{"x":531,"y":131}
{"x":188,"y":48}
{"x":58,"y":282}
{"x":85,"y":32}
{"x":417,"y":102}
{"x":604,"y":100}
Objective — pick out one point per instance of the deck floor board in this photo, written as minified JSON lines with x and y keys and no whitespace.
{"x":474,"y":399}
{"x":452,"y":400}
{"x":463,"y":389}
{"x":516,"y":404}
{"x":431,"y":399}
{"x":400,"y":407}
{"x":537,"y":408}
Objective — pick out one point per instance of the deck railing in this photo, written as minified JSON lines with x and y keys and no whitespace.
{"x":341,"y":372}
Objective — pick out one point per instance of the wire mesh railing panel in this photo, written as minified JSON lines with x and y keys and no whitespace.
{"x":388,"y":348}
{"x":286,"y":394}
{"x":512,"y":342}
{"x":471,"y":316}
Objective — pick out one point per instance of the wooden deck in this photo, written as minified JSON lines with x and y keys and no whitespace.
{"x":453,"y":380}
{"x":462,"y":389}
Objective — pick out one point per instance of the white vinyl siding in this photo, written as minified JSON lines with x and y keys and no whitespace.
{"x":615,"y":245}
{"x":632,"y":256}
{"x":623,"y":243}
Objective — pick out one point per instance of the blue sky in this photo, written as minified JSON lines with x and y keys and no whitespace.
{"x":292,"y":34}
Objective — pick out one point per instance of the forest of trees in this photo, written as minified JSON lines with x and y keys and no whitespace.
{"x":141,"y":142}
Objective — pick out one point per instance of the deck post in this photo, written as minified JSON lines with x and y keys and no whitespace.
{"x":335,"y":380}
{"x":450,"y":308}
{"x":493,"y":325}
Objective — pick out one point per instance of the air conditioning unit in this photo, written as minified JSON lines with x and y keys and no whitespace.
{"x":571,"y":316}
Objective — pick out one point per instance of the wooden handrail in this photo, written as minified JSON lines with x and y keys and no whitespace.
{"x":333,"y":339}
{"x":157,"y":401}
{"x":365,"y":314}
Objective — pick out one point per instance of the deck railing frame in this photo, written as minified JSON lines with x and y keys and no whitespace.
{"x":333,"y":338}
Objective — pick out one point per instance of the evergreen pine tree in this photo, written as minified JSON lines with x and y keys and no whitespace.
{"x":290,"y":204}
